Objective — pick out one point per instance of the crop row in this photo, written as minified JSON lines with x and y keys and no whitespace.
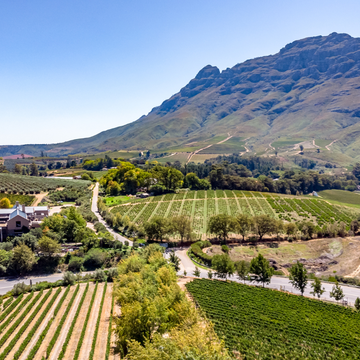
{"x":265,"y":323}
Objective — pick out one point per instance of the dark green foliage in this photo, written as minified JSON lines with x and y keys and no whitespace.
{"x":298,"y":277}
{"x":261,"y":270}
{"x":196,"y":249}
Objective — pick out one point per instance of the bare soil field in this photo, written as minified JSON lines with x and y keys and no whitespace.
{"x":52,"y":321}
{"x":321,"y":256}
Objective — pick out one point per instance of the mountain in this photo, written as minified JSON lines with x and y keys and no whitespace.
{"x":309,"y":90}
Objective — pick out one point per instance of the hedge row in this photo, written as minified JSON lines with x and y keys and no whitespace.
{"x":7,"y":302}
{"x":108,"y":344}
{"x":23,"y":328}
{"x":81,"y":340}
{"x":10,"y":308}
{"x":91,"y":356}
{"x":15,"y":313}
{"x":196,"y":249}
{"x":34,"y":328}
{"x":45,"y":331}
{"x":61,"y":323}
{"x":71,"y":329}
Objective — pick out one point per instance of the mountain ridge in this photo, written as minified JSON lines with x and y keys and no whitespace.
{"x":309,"y":89}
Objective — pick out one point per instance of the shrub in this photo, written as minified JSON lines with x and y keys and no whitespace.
{"x":112,"y":274}
{"x":69,"y":278}
{"x":95,"y":259}
{"x":20,"y":288}
{"x":196,"y":249}
{"x":75,"y":264}
{"x":225,"y":249}
{"x":99,"y":275}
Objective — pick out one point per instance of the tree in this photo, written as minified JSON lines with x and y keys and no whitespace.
{"x":17,"y":169}
{"x":49,"y":246}
{"x":318,"y":151}
{"x":357,"y":304}
{"x":317,"y":289}
{"x":196,"y":272}
{"x":221,"y":225}
{"x":157,"y":228}
{"x":298,"y":277}
{"x":223,"y":266}
{"x":34,"y":169}
{"x":354,"y":226}
{"x":261,"y":269}
{"x":242,"y":270}
{"x":356,"y":170}
{"x":23,"y":259}
{"x":337,"y":292}
{"x":264,"y":224}
{"x":182,"y":225}
{"x":5,"y":203}
{"x":290,"y":229}
{"x":301,"y":148}
{"x":244,"y":224}
{"x":175,"y":261}
{"x":210,"y":274}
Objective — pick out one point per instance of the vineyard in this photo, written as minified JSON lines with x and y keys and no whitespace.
{"x":201,"y":205}
{"x":262,"y":323}
{"x":24,"y":185}
{"x":60,"y":323}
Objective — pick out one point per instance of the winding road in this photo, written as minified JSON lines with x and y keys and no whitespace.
{"x":351,"y":293}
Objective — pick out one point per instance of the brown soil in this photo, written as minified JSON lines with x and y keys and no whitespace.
{"x":113,"y":355}
{"x":101,"y":341}
{"x":70,"y":351}
{"x":41,"y":328}
{"x":42,"y":350}
{"x":35,"y":319}
{"x":59,"y":344}
{"x":90,"y":329}
{"x":19,"y":326}
{"x":38,"y":198}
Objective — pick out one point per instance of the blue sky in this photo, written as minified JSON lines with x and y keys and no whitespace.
{"x":70,"y":69}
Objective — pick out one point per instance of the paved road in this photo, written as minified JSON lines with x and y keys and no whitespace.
{"x":94,"y":209}
{"x":351,"y":293}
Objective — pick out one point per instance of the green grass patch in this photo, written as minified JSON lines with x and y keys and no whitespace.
{"x":22,"y":199}
{"x":116,"y":200}
{"x":322,"y":143}
{"x":341,"y":196}
{"x":285,"y":142}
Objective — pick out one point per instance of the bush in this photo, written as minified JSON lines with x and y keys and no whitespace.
{"x":99,"y":275}
{"x":95,"y":259}
{"x":196,"y":249}
{"x":99,"y":227}
{"x":112,"y":274}
{"x":75,"y":264}
{"x":225,"y":249}
{"x":69,"y":278}
{"x":20,"y":288}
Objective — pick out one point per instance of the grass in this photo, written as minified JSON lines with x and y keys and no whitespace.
{"x":341,"y":197}
{"x":233,"y":145}
{"x":283,"y":142}
{"x":322,"y":143}
{"x":116,"y":200}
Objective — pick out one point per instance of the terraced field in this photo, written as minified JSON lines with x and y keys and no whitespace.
{"x":201,"y":205}
{"x":60,"y":323}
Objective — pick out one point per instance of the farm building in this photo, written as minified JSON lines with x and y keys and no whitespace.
{"x":20,"y":218}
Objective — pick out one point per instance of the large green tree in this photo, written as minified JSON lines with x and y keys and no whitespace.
{"x":223,"y":266}
{"x":261,"y":269}
{"x":221,"y":225}
{"x":264,"y":224}
{"x":244,"y":224}
{"x":157,"y":228}
{"x":23,"y":259}
{"x":298,"y":277}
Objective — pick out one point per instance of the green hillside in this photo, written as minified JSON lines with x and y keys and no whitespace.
{"x":341,"y":196}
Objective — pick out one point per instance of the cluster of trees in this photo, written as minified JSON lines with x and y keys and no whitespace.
{"x":39,"y":249}
{"x":127,"y":179}
{"x":152,"y":304}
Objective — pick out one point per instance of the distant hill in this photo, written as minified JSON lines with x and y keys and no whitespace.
{"x":309,"y":90}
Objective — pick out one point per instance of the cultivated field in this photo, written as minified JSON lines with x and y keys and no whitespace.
{"x":201,"y":205}
{"x":341,"y":196}
{"x":23,"y":199}
{"x":268,"y":324}
{"x":23,"y":185}
{"x":62,"y":323}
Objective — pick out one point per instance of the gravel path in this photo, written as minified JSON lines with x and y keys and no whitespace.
{"x":100,"y":347}
{"x":89,"y":333}
{"x":59,"y":344}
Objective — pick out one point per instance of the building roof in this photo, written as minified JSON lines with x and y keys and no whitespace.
{"x":18,"y":212}
{"x":6,"y":211}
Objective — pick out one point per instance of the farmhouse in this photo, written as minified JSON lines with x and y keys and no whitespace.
{"x":20,"y":218}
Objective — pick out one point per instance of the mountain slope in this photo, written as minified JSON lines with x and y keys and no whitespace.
{"x":310,"y":89}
